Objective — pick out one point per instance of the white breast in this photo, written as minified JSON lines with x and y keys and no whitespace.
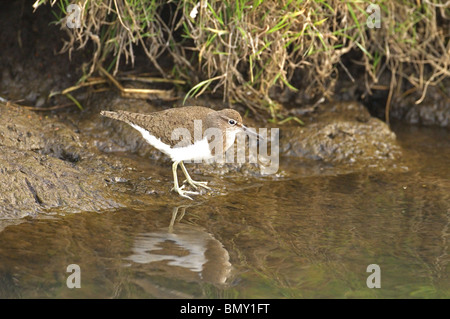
{"x":197,"y":151}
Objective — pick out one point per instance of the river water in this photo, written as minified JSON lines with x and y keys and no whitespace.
{"x":301,"y":236}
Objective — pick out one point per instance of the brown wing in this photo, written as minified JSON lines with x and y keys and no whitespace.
{"x":163,"y":123}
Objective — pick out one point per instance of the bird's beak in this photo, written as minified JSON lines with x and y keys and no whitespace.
{"x":252,"y":132}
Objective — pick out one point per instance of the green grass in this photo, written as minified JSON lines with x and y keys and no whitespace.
{"x":247,"y":48}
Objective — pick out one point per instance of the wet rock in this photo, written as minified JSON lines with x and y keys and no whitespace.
{"x":26,"y":130}
{"x":37,"y":171}
{"x":429,"y":113}
{"x":342,"y":134}
{"x":32,"y":183}
{"x":433,"y":111}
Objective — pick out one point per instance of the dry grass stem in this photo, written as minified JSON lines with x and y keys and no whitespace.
{"x":254,"y":48}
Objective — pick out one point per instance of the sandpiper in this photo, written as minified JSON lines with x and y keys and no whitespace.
{"x":158,"y":129}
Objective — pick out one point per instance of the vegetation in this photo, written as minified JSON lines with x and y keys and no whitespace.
{"x":246,"y":50}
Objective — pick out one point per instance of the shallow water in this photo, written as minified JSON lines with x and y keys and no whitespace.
{"x":306,"y":236}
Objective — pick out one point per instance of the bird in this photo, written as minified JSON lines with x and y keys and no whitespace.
{"x":163,"y":129}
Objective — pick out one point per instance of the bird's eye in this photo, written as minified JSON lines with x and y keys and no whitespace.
{"x":232,"y":122}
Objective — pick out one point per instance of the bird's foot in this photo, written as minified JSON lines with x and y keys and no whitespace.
{"x":196,"y":184}
{"x":184,"y":193}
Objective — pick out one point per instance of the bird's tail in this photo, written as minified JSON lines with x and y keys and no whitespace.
{"x":119,"y":115}
{"x":113,"y":115}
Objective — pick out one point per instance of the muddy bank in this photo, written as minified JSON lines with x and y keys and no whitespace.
{"x":38,"y":167}
{"x":33,"y":183}
{"x":343,"y":134}
{"x":71,"y":162}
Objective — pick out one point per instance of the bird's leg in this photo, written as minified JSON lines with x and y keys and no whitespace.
{"x":174,"y":215}
{"x":191,"y":182}
{"x":176,"y":188}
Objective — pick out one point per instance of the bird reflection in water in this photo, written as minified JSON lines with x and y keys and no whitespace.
{"x":182,"y":251}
